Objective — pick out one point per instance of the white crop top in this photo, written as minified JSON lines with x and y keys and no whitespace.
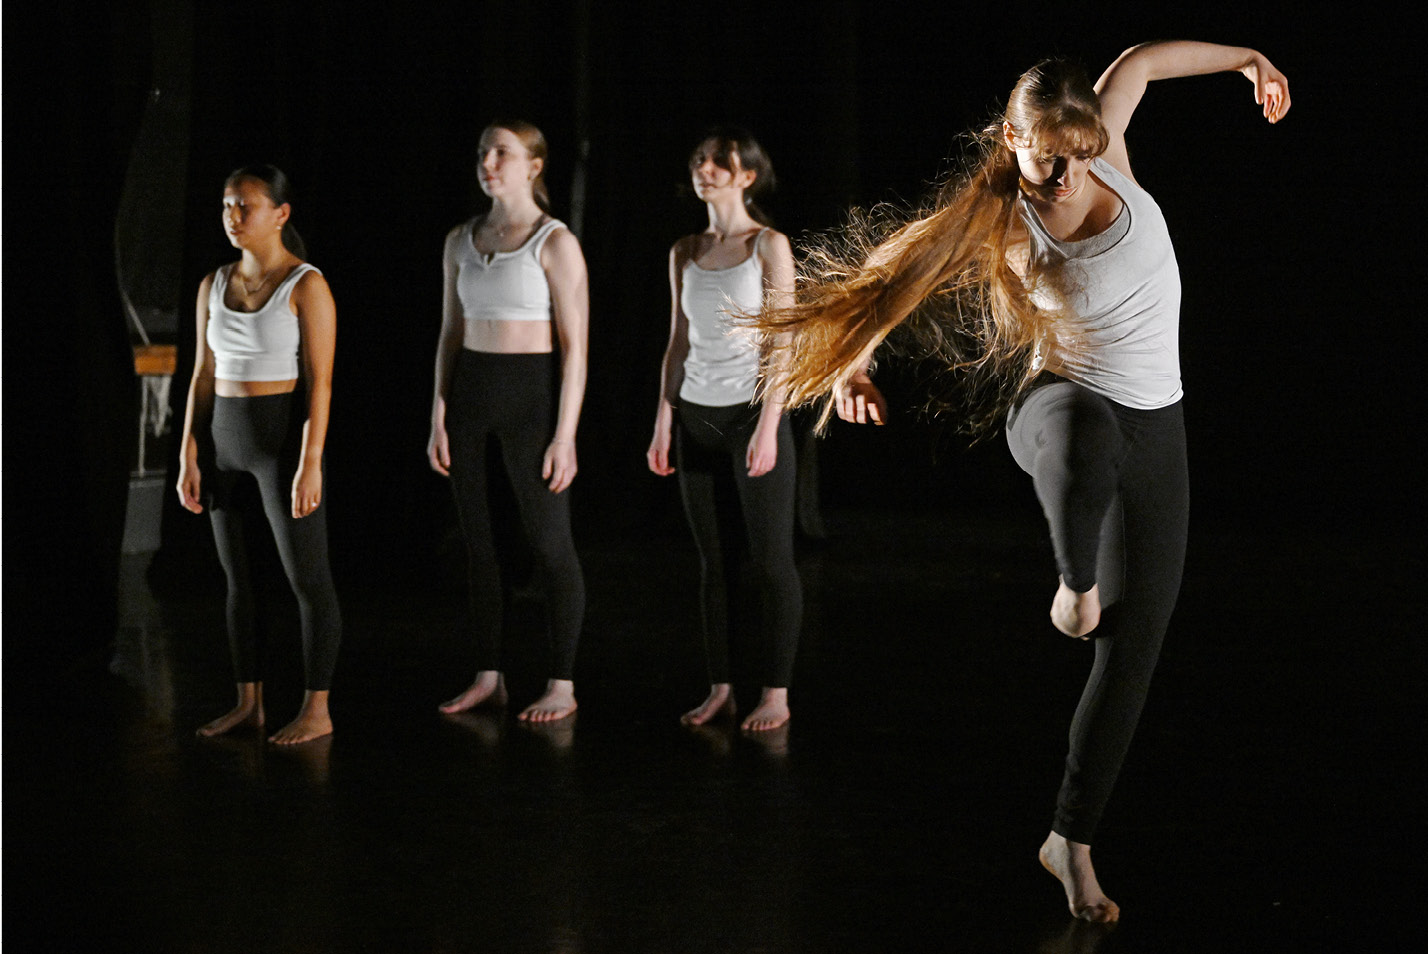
{"x":722,"y":366}
{"x":501,"y":286}
{"x":1125,"y":299}
{"x":257,"y":345}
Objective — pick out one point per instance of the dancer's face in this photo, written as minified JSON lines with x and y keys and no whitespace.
{"x":1051,"y":173}
{"x":249,"y":214}
{"x":507,"y":166}
{"x":710,"y":179}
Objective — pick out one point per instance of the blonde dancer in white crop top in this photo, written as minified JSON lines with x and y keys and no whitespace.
{"x":515,"y":285}
{"x":711,"y":377}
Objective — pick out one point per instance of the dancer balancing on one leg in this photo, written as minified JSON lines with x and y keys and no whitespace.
{"x":713,"y":426}
{"x":515,"y":287}
{"x":1046,"y":275}
{"x":265,"y":323}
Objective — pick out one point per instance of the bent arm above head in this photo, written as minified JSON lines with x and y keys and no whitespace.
{"x":777,"y":256}
{"x":1123,"y":83}
{"x":671,"y":375}
{"x":569,"y":282}
{"x":317,"y":324}
{"x":198,"y":409}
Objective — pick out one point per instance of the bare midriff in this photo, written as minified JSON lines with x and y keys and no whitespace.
{"x":225,"y":388}
{"x":507,"y":337}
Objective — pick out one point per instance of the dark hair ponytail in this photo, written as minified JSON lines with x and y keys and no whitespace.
{"x":730,"y":141}
{"x":279,"y":188}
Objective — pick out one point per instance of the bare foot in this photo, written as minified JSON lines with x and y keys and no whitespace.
{"x":312,"y":722}
{"x":1076,"y":614}
{"x":488,"y":689}
{"x":247,"y":713}
{"x":1070,"y":862}
{"x":557,"y":703}
{"x":771,"y":712}
{"x":719,"y":701}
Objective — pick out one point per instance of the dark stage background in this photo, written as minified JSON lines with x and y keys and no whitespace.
{"x":1295,"y":335}
{"x":1298,"y":333}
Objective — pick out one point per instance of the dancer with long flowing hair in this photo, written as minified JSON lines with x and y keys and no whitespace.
{"x":1045,"y":279}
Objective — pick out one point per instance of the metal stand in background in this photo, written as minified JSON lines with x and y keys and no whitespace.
{"x":154,"y":364}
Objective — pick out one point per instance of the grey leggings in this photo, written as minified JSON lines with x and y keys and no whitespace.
{"x":261,"y":438}
{"x":1114,"y":486}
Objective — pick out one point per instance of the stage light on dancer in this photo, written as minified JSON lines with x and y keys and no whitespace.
{"x":515,"y":288}
{"x":714,"y":423}
{"x":1046,"y":276}
{"x":257,"y":414}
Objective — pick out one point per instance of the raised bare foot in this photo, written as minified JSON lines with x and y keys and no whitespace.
{"x":771,"y":712}
{"x":719,"y":701}
{"x":1076,"y":614}
{"x":557,"y":703}
{"x":1070,"y":862}
{"x":247,"y":713}
{"x":488,"y":689}
{"x":312,"y":722}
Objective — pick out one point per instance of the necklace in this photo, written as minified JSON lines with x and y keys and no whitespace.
{"x":250,"y":292}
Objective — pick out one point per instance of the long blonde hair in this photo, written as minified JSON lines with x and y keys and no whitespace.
{"x":944,"y":274}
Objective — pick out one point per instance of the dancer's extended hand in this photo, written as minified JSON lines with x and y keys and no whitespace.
{"x":1271,"y":89}
{"x":859,"y":401}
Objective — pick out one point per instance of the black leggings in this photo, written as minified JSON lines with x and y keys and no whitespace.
{"x":1113,"y":484}
{"x":710,"y":448}
{"x":262,"y":437}
{"x":509,"y":396}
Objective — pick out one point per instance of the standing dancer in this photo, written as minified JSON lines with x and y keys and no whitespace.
{"x":723,"y":432}
{"x":515,"y":285}
{"x":1048,"y":276}
{"x":264,"y":323}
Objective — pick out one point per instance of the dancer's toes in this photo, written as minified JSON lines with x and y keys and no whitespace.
{"x":720,"y":701}
{"x":240,"y":717}
{"x":771,"y":712}
{"x":489,"y":689}
{"x":304,"y":728}
{"x":557,"y":703}
{"x":1076,"y":614}
{"x":1070,"y":862}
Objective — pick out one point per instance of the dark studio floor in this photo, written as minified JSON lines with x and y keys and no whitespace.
{"x":1265,"y":805}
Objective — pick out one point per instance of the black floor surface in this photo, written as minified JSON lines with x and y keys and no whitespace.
{"x":1269,"y":803}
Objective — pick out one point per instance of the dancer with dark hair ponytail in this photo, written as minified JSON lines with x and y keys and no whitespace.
{"x":1047,"y":277}
{"x":721,"y":428}
{"x":515,"y":288}
{"x":265,"y":323}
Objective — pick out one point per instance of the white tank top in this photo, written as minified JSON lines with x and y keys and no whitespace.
{"x":1125,"y":299}
{"x":501,"y":286}
{"x":722,"y":367}
{"x":257,"y":345}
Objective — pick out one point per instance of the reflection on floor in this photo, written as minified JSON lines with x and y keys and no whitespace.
{"x":900,"y":810}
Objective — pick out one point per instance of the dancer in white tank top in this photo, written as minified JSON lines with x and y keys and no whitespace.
{"x":712,"y":423}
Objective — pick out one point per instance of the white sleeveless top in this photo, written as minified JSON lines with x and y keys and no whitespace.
{"x":1125,"y":299}
{"x":501,"y":286}
{"x":257,"y":345}
{"x":722,"y":367}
